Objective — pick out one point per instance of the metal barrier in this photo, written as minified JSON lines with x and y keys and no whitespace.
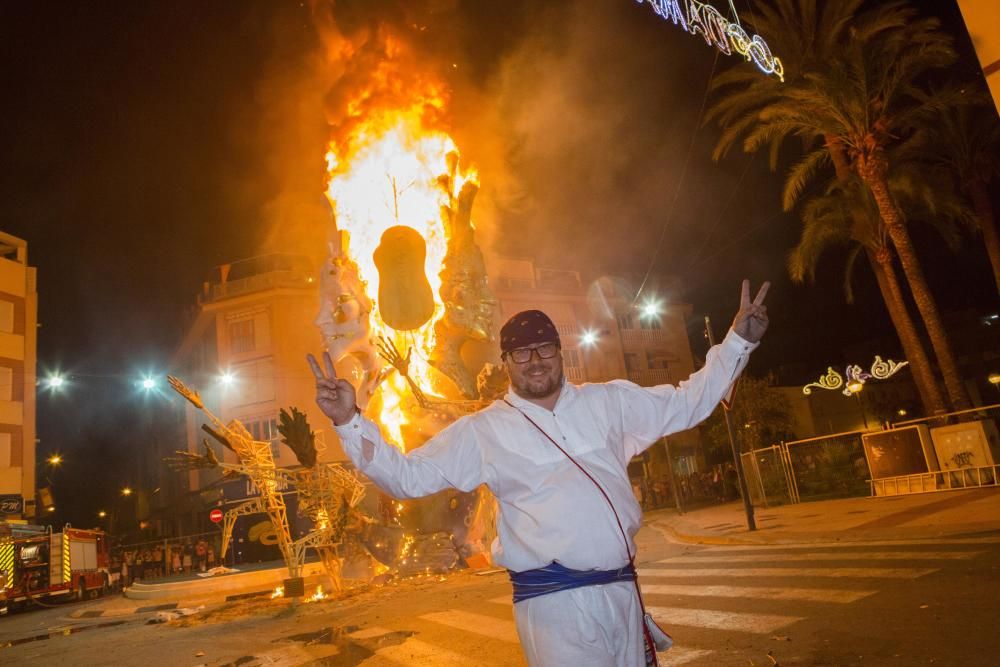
{"x":927,"y":482}
{"x":769,"y":477}
{"x":832,"y":466}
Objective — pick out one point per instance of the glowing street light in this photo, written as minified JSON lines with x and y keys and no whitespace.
{"x":55,"y":381}
{"x":855,"y":386}
{"x":227,"y":378}
{"x":127,"y":491}
{"x":54,"y":460}
{"x":102,"y":514}
{"x":148,"y":383}
{"x":589,"y":338}
{"x":994,"y":379}
{"x":51,"y":508}
{"x":650,"y":309}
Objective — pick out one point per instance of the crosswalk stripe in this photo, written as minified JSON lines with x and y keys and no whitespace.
{"x":838,"y":572}
{"x":416,"y":652}
{"x":678,"y":655}
{"x":851,"y":555}
{"x":759,"y":592}
{"x":720,"y":620}
{"x":841,"y":545}
{"x":413,"y":651}
{"x":480,"y":624}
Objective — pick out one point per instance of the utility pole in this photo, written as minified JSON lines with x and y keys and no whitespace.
{"x":737,"y":460}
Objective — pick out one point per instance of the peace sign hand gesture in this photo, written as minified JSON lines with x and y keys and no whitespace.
{"x":337,"y":398}
{"x":751,"y":320}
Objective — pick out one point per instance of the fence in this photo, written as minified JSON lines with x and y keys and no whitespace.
{"x":835,"y":466}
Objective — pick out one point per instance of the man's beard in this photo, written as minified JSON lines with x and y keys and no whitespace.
{"x":541,"y":387}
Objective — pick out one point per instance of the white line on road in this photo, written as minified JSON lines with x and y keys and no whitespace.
{"x":758,"y":592}
{"x":415,"y":652}
{"x":839,"y":572}
{"x":840,"y":545}
{"x":678,"y":655}
{"x":480,"y":624}
{"x":851,"y":555}
{"x":720,"y":620}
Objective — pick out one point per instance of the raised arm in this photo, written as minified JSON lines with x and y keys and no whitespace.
{"x":451,"y":459}
{"x":649,"y":413}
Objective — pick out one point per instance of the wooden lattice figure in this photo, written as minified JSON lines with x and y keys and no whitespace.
{"x":327,"y":492}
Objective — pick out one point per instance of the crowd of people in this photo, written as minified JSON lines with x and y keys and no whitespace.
{"x":718,"y":484}
{"x":156,"y":561}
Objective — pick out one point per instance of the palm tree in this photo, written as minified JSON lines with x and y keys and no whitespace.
{"x":849,"y":101}
{"x":965,"y":148}
{"x":846,"y":215}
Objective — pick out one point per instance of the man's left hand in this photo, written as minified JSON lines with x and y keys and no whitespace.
{"x":750,"y":322}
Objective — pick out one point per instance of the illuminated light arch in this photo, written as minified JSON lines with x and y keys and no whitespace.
{"x":699,"y":18}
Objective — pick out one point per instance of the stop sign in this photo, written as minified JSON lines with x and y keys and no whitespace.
{"x":215,"y":515}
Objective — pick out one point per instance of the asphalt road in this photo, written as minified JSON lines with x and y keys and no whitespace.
{"x":918,"y":602}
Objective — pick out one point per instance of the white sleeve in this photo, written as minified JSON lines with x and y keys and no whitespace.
{"x":451,"y":459}
{"x":649,"y":413}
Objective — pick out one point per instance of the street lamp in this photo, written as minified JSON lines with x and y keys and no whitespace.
{"x":102,"y":514}
{"x":589,"y":338}
{"x":127,"y":491}
{"x":54,"y":460}
{"x":55,"y":382}
{"x":148,"y":383}
{"x":650,"y":309}
{"x":994,"y":379}
{"x":227,"y":378}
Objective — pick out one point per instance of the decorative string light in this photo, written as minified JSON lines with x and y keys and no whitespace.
{"x":856,"y":376}
{"x":698,"y":18}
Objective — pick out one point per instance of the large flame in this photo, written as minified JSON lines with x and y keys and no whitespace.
{"x":387,"y":173}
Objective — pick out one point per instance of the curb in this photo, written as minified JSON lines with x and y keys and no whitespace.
{"x":166,"y":606}
{"x":677,"y":536}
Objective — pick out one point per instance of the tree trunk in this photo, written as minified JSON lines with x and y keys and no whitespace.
{"x":872,"y":169}
{"x":987,"y":224}
{"x":920,"y":365}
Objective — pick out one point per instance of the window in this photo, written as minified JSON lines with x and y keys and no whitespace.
{"x":6,"y":316}
{"x":571,"y":358}
{"x":656,"y":359}
{"x":241,"y":336}
{"x":624,"y":321}
{"x":631,"y":361}
{"x":6,"y":383}
{"x":266,"y":430}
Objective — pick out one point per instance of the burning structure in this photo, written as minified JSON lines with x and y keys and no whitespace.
{"x":402,"y":272}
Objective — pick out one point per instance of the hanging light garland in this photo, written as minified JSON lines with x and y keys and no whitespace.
{"x":856,"y":376}
{"x":727,"y":36}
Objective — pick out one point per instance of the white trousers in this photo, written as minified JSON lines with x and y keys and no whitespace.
{"x":590,"y":626}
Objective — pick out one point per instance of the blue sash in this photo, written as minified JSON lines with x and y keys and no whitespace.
{"x":555,"y":577}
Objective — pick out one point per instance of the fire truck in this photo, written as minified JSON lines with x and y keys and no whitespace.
{"x":36,"y":562}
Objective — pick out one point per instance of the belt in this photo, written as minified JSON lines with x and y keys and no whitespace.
{"x":555,"y":577}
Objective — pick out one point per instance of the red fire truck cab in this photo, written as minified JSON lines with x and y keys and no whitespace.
{"x":38,"y":563}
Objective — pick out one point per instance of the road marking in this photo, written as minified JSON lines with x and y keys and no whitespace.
{"x":720,"y":620}
{"x":416,"y":652}
{"x":840,"y":545}
{"x":852,"y":555}
{"x":369,"y":633}
{"x":758,"y":592}
{"x":678,"y":655}
{"x":838,"y":572}
{"x":487,"y":626}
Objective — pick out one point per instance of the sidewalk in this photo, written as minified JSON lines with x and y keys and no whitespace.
{"x":920,"y":516}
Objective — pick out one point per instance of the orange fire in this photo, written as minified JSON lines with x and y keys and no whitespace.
{"x":384,"y":173}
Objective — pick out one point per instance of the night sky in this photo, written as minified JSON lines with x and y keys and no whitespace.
{"x":147,"y":142}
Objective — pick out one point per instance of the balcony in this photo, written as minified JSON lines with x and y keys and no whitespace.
{"x":574,"y":374}
{"x":644,"y":337}
{"x":650,"y":377}
{"x":259,"y":283}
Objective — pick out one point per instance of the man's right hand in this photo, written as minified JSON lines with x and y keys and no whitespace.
{"x":337,"y":398}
